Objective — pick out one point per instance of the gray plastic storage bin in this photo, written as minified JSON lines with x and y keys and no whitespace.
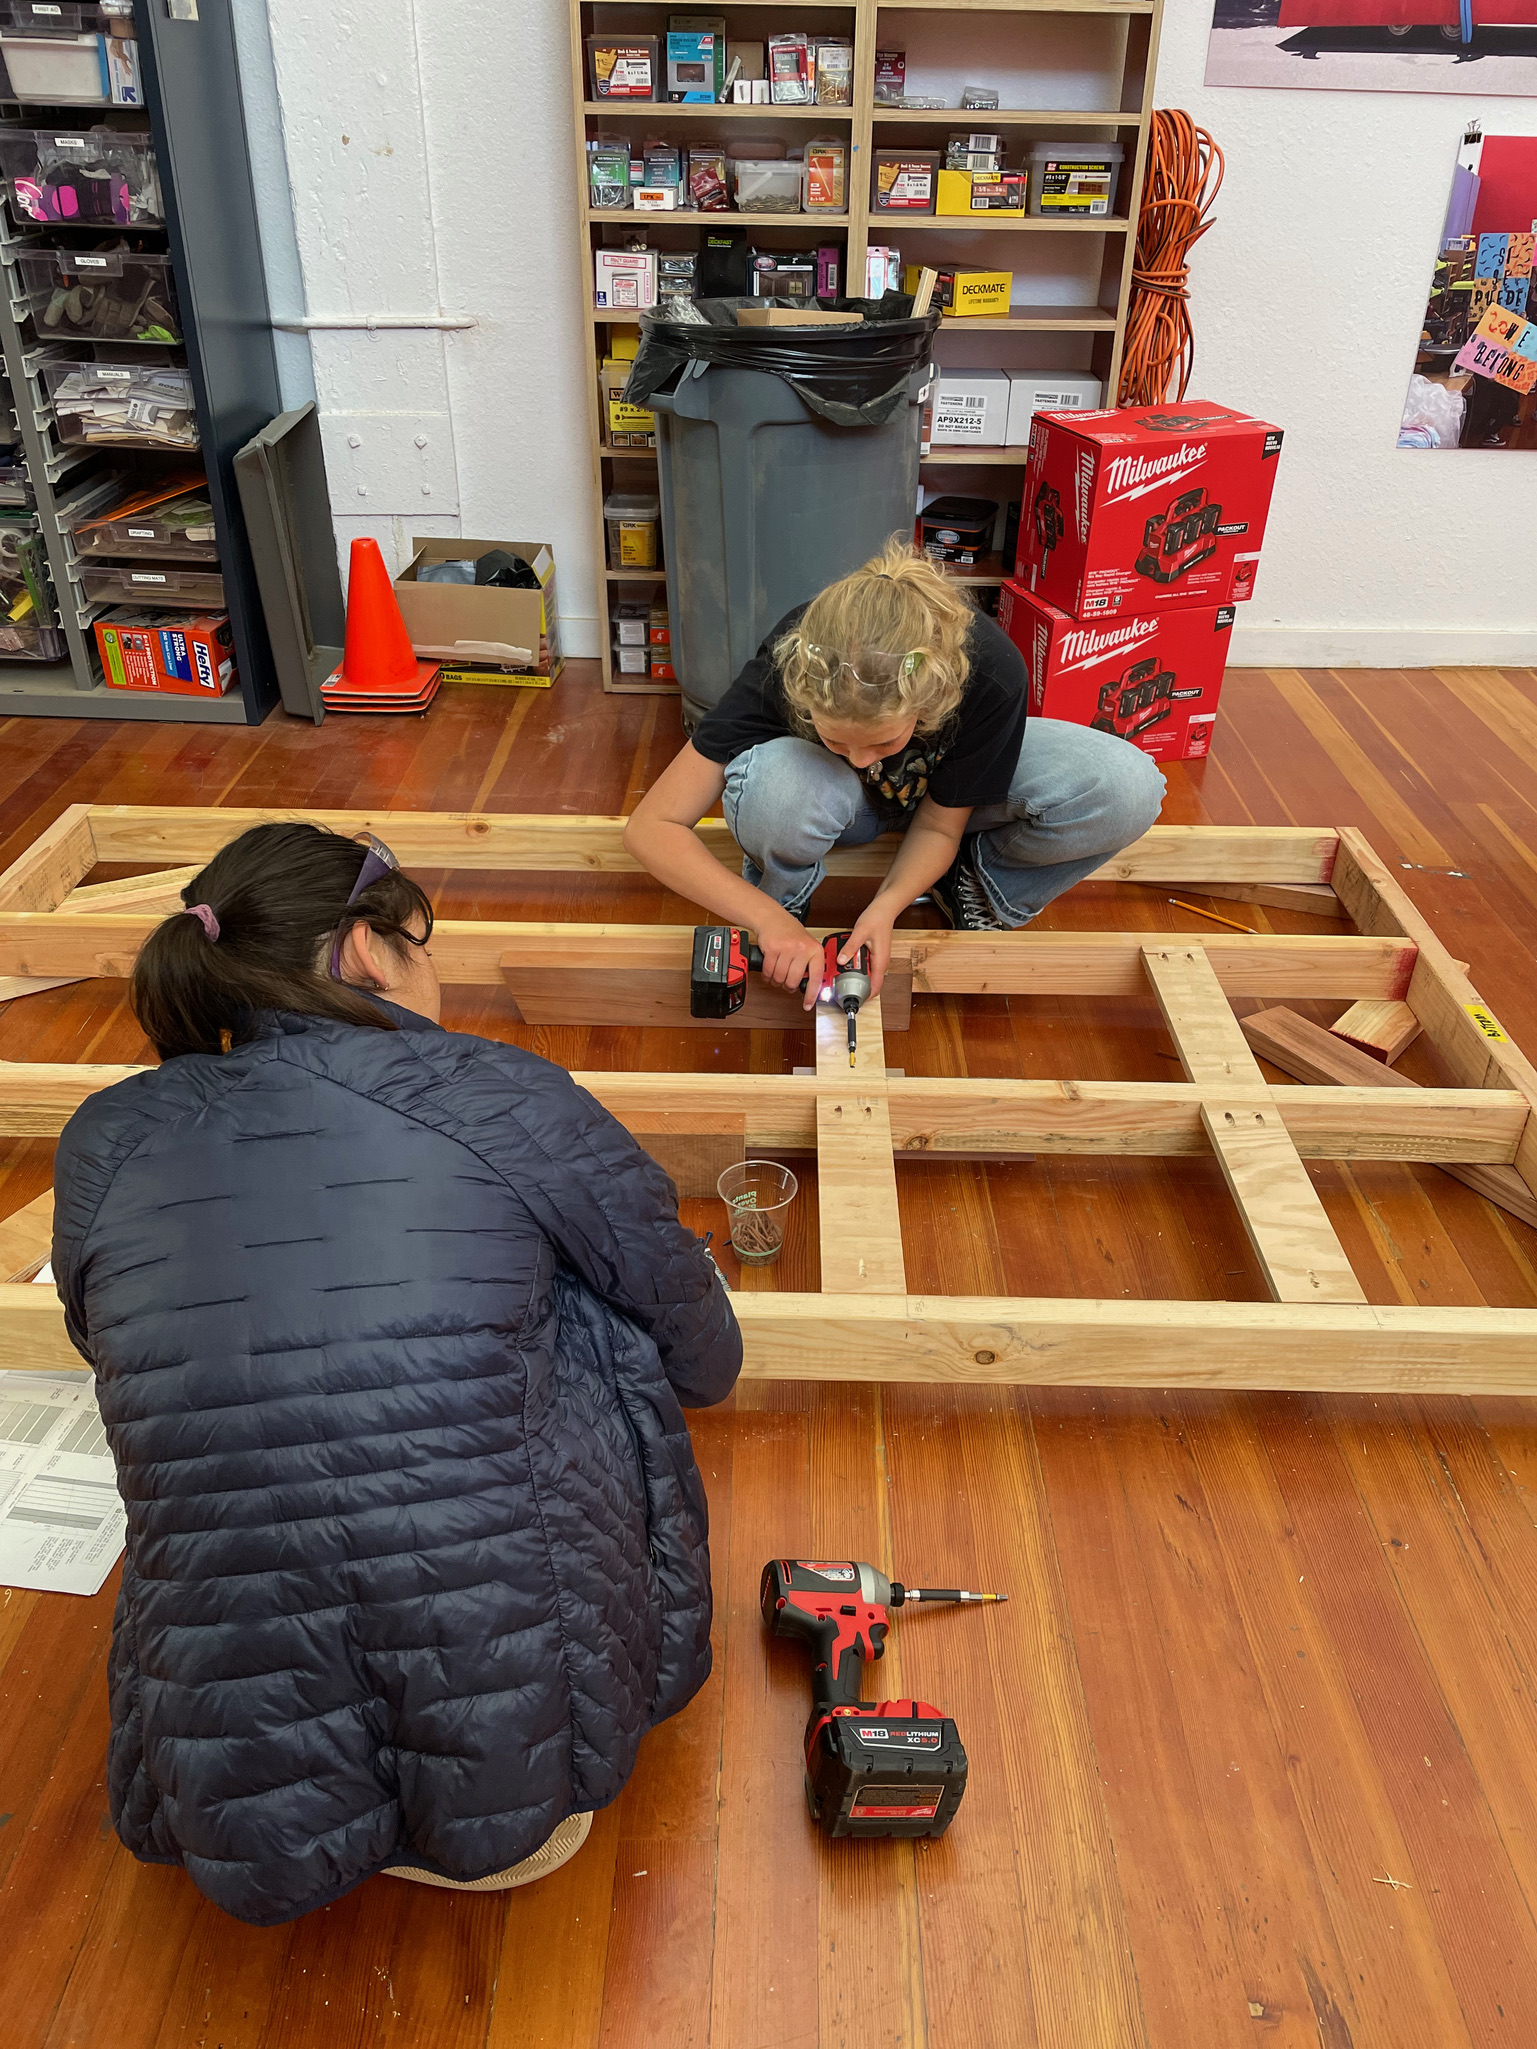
{"x":764,"y":502}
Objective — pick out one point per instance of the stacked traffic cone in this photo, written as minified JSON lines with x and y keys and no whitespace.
{"x":379,"y":670}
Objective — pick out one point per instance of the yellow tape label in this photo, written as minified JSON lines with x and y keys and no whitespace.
{"x":1485,"y":1019}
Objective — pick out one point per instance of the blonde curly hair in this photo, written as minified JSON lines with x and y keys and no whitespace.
{"x":898,"y":604}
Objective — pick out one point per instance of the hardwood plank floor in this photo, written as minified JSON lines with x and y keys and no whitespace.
{"x":1254,"y":1744}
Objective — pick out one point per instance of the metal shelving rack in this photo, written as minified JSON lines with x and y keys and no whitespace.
{"x":976,"y":31}
{"x":197,"y":125}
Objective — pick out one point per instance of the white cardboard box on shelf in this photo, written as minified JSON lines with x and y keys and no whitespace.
{"x":1048,"y":391}
{"x":971,"y":406}
{"x":625,"y":278}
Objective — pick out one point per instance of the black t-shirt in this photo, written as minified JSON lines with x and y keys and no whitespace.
{"x":970,"y":762}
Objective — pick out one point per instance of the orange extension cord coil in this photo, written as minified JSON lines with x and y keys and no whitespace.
{"x":1184,"y":175}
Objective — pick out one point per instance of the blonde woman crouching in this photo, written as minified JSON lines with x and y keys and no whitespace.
{"x":888,"y":704}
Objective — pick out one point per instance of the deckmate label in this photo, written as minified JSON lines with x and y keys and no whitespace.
{"x":1485,"y":1019}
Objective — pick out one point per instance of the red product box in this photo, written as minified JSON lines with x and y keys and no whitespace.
{"x":184,"y":654}
{"x":1146,"y":508}
{"x":1151,"y":677}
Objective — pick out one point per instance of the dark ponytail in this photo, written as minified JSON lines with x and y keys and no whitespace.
{"x":278,"y":895}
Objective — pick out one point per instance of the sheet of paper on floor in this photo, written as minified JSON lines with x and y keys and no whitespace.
{"x":61,"y":1517}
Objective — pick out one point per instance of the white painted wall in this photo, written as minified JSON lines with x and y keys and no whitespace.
{"x":429,"y":150}
{"x":430,"y":155}
{"x":1307,"y":298}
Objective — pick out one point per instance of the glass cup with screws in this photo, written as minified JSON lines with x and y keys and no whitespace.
{"x":757,"y":1195}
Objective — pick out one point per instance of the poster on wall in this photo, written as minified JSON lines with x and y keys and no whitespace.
{"x":1474,"y":382}
{"x":1461,"y":46}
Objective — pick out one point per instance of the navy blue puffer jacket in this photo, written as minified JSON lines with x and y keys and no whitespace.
{"x":390,"y":1332}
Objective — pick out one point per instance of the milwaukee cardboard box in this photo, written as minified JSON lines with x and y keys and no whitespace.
{"x":1151,"y":677}
{"x":479,"y":626}
{"x":1145,"y":509}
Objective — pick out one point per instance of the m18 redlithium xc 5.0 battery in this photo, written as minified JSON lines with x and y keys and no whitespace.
{"x":1145,"y":509}
{"x":1151,"y":677}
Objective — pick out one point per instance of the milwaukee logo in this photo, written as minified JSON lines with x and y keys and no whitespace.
{"x":1131,"y":476}
{"x":1083,"y":481}
{"x":1082,"y":649}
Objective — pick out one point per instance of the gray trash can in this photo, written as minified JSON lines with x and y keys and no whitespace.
{"x":765,"y":499}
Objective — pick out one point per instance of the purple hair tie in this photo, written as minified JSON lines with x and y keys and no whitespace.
{"x":205,"y":918}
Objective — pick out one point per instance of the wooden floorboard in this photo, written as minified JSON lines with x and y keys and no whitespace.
{"x":1254,"y":1744}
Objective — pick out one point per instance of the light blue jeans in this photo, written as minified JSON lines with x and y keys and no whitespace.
{"x":1078,"y":796}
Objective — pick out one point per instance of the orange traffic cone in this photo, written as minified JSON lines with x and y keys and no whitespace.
{"x":378,"y":661}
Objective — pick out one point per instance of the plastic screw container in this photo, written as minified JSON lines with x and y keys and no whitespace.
{"x":183,"y":588}
{"x":181,"y":529}
{"x":634,"y":523}
{"x":95,"y":177}
{"x":623,"y":67}
{"x":766,"y":185}
{"x":69,"y":17}
{"x":904,"y":180}
{"x":123,"y":405}
{"x":825,"y":179}
{"x":100,"y":295}
{"x":1074,"y":180}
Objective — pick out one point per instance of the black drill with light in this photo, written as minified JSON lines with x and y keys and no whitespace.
{"x":723,"y":956}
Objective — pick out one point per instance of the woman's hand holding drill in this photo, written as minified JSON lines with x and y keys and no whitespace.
{"x":790,"y":954}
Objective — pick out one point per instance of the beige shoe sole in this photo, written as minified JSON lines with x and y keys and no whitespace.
{"x":556,"y":1850}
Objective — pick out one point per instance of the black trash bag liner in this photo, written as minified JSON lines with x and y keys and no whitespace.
{"x":853,"y":376}
{"x":504,"y":571}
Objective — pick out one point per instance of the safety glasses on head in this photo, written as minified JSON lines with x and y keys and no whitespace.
{"x":872,"y":671}
{"x":377,"y":863}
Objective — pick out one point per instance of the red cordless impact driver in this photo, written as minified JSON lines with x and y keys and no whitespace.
{"x":892,"y":1768}
{"x":717,"y":982}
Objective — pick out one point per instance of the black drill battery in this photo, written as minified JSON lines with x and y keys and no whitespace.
{"x":896,"y":1769}
{"x":717,"y":980}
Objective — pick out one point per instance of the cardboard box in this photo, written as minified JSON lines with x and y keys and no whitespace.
{"x":624,"y":278}
{"x":903,"y":180}
{"x":966,"y":293}
{"x":1146,"y":508}
{"x":182,"y":655}
{"x":1048,"y":391}
{"x":1151,"y":677}
{"x":624,"y":425}
{"x":974,"y":192}
{"x":971,"y":406}
{"x":472,"y":622}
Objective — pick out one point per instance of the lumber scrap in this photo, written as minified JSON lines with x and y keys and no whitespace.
{"x":1382,"y":1030}
{"x":1311,"y":1054}
{"x":12,"y":986}
{"x":26,"y":1237}
{"x":1317,"y":899}
{"x":40,"y":878}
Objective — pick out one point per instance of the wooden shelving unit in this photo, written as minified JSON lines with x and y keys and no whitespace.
{"x":1072,"y":278}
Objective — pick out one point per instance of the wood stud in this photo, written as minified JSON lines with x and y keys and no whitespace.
{"x":1318,"y":1332}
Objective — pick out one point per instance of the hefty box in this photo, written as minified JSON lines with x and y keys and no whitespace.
{"x":184,"y":655}
{"x":1151,"y":677}
{"x":1150,"y":507}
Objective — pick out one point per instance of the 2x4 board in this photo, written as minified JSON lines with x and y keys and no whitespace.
{"x":1318,"y":1331}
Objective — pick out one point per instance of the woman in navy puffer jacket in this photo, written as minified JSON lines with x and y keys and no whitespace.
{"x":390,"y":1327}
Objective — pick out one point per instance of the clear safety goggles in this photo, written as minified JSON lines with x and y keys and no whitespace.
{"x":872,"y":671}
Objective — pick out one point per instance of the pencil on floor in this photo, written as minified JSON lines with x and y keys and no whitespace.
{"x":1216,"y":918}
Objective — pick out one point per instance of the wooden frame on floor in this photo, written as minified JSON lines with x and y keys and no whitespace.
{"x":1317,"y":1332}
